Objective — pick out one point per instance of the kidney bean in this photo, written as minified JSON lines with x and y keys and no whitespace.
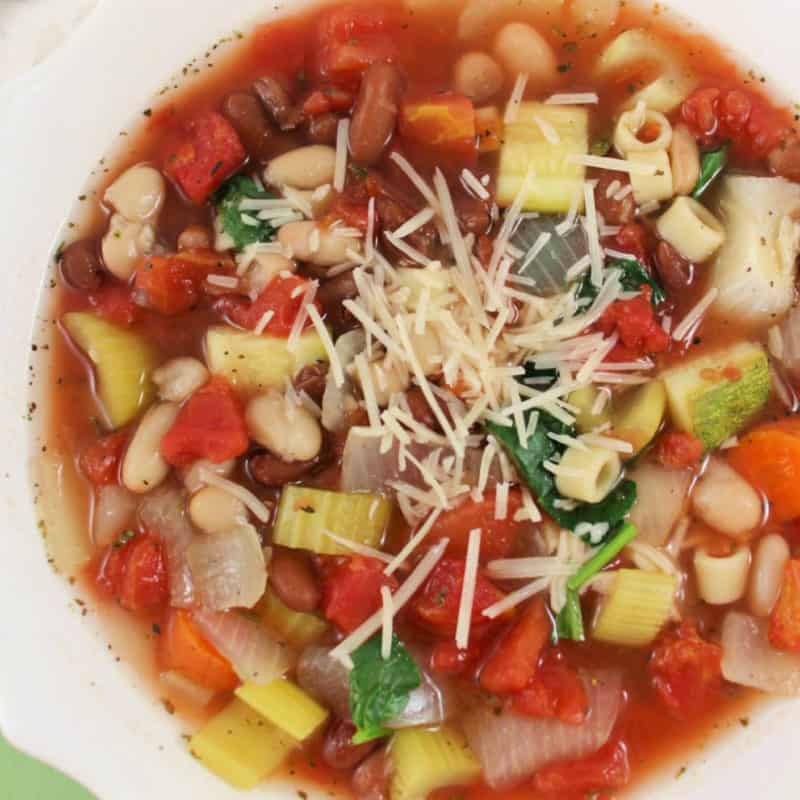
{"x":375,"y":113}
{"x":615,"y":212}
{"x":80,"y":265}
{"x":271,"y":471}
{"x":247,"y":116}
{"x":322,"y":128}
{"x":473,"y":214}
{"x":338,"y":750}
{"x":276,"y":100}
{"x":311,"y":380}
{"x":292,"y":578}
{"x":331,"y":295}
{"x":391,"y":214}
{"x":371,"y":778}
{"x":675,"y":272}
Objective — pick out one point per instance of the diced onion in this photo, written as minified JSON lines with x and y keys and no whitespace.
{"x":334,"y":401}
{"x":661,"y":499}
{"x":325,"y":678}
{"x":112,"y":511}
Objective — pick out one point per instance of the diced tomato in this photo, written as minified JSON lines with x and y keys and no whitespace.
{"x":686,"y":671}
{"x":633,"y":239}
{"x":784,"y":624}
{"x":351,"y":37}
{"x":135,"y":573}
{"x":321,"y":101}
{"x":678,"y":449}
{"x":515,"y":661}
{"x":436,"y":606}
{"x":448,"y":659}
{"x":635,"y":322}
{"x":173,"y":284}
{"x":444,"y":121}
{"x":352,"y":214}
{"x":489,"y":128}
{"x":608,"y":768}
{"x":283,"y":297}
{"x":182,"y":648}
{"x":351,"y":591}
{"x":115,"y":304}
{"x":210,"y":425}
{"x":498,"y":535}
{"x":556,"y":692}
{"x":100,"y":461}
{"x":207,"y":154}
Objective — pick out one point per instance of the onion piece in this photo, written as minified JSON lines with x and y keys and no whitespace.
{"x":325,"y":678}
{"x":256,"y":657}
{"x":113,"y":510}
{"x":228,"y":569}
{"x":428,"y":704}
{"x":163,"y":511}
{"x":662,"y":495}
{"x":334,"y":401}
{"x":512,"y":747}
{"x":790,"y":344}
{"x":750,"y":660}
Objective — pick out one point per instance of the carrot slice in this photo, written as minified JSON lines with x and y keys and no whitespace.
{"x":784,"y":624}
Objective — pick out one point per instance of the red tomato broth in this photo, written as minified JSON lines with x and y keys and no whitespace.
{"x":654,"y":738}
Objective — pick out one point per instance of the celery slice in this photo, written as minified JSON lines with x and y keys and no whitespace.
{"x":637,"y":608}
{"x":123,"y":362}
{"x":240,"y":746}
{"x":294,"y":626}
{"x":426,"y":760}
{"x":305,"y":514}
{"x":255,"y":363}
{"x":557,"y":182}
{"x":285,"y":705}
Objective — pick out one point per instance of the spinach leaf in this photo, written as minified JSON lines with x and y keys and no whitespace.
{"x":711,"y":167}
{"x":379,"y":689}
{"x":228,"y":198}
{"x":634,"y":276}
{"x":569,"y":622}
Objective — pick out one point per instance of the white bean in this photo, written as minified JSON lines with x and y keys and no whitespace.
{"x":179,"y":378}
{"x":216,"y":511}
{"x":766,"y":577}
{"x":265,"y":267}
{"x":520,"y":48}
{"x":304,"y":168}
{"x":478,"y":76}
{"x":143,"y":467}
{"x":287,"y":430}
{"x":595,"y":16}
{"x":124,"y":244}
{"x":192,"y":479}
{"x":726,"y":502}
{"x":138,"y":194}
{"x":307,"y":241}
{"x":388,"y":379}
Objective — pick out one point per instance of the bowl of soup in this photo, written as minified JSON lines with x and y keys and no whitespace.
{"x":411,"y":401}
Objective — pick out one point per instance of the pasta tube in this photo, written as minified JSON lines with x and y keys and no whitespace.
{"x":656,"y":187}
{"x":631,"y":123}
{"x":588,"y":474}
{"x":692,"y":230}
{"x":722,"y":580}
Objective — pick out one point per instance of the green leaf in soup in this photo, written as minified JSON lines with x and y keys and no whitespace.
{"x":236,"y":222}
{"x":379,"y":689}
{"x":712,"y":165}
{"x":633,"y":277}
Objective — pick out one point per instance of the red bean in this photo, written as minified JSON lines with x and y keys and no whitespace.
{"x":274,"y":472}
{"x":245,"y":113}
{"x":675,"y":272}
{"x":338,"y":750}
{"x":375,"y":113}
{"x":371,"y":778}
{"x":615,"y":212}
{"x":322,"y":128}
{"x":331,"y":295}
{"x":311,"y":380}
{"x":80,"y":265}
{"x":275,"y":98}
{"x":292,"y":578}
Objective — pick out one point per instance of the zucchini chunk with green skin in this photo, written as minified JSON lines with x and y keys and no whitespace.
{"x":714,"y":396}
{"x":123,"y":363}
{"x":756,"y":268}
{"x":584,"y":400}
{"x":254,"y":363}
{"x":557,"y":182}
{"x":638,"y":415}
{"x":306,"y":515}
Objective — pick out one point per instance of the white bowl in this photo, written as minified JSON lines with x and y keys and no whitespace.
{"x":63,"y":697}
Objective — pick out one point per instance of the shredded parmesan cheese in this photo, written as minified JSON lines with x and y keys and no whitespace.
{"x":689,"y":323}
{"x":515,"y":598}
{"x":387,"y":615}
{"x":573,"y":99}
{"x":468,"y":589}
{"x":259,"y":509}
{"x":613,"y":164}
{"x":327,"y":343}
{"x":515,"y":101}
{"x":340,"y":169}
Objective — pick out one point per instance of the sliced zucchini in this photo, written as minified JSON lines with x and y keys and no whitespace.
{"x":255,"y":363}
{"x":286,"y":706}
{"x":584,"y":400}
{"x":123,"y":363}
{"x":557,"y":182}
{"x":714,"y":396}
{"x":638,"y":415}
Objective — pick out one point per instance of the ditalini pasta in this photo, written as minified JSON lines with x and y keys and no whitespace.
{"x":691,"y":229}
{"x":722,"y":580}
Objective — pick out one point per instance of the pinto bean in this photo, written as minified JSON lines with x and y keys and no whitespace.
{"x":311,"y":380}
{"x":276,"y":100}
{"x":331,"y":295}
{"x":322,"y":128}
{"x":274,"y":472}
{"x":615,"y":212}
{"x":371,"y":778}
{"x":338,"y":750}
{"x":247,"y":116}
{"x":375,"y":112}
{"x":80,"y":265}
{"x":676,"y":272}
{"x":292,"y":578}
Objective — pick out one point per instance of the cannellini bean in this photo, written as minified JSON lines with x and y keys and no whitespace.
{"x":264,"y":268}
{"x":143,"y":467}
{"x":588,"y":474}
{"x":726,"y":502}
{"x":766,"y":577}
{"x":684,"y":155}
{"x":192,"y":479}
{"x":304,"y":168}
{"x":194,"y":237}
{"x":722,"y":580}
{"x":308,"y":241}
{"x":179,"y":378}
{"x":289,"y":431}
{"x":478,"y":76}
{"x":138,"y":194}
{"x":216,"y":511}
{"x":594,"y":16}
{"x":521,"y":48}
{"x":124,"y":244}
{"x":388,"y":378}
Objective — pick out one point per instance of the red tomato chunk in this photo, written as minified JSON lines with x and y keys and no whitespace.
{"x":608,"y":768}
{"x":555,"y":692}
{"x":677,"y":449}
{"x":100,"y":461}
{"x":635,"y":322}
{"x":115,"y":304}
